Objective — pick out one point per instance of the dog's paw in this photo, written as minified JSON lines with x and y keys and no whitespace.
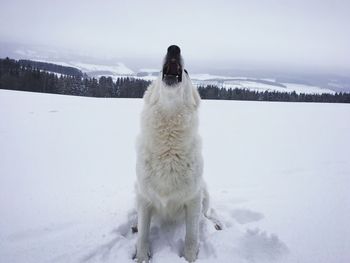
{"x":143,"y":256}
{"x":191,"y":253}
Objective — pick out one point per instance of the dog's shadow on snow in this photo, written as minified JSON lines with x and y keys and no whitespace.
{"x":237,"y":240}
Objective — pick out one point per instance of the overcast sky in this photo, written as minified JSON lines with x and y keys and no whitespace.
{"x":296,"y":33}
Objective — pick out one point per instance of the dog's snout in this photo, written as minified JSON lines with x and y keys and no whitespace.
{"x":174,"y":50}
{"x":172,"y":67}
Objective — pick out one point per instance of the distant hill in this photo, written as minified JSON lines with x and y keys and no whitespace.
{"x":44,"y":77}
{"x":50,"y":67}
{"x":232,"y":76}
{"x":27,"y":75}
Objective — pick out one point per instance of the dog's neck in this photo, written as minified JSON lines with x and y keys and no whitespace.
{"x":172,"y":98}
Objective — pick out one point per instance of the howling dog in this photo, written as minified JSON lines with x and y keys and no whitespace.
{"x":169,"y":161}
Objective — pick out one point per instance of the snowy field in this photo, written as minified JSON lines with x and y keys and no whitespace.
{"x":278,"y":174}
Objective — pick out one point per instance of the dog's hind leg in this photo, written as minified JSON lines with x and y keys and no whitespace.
{"x":205,"y":201}
{"x":212,"y":216}
{"x":208,"y":212}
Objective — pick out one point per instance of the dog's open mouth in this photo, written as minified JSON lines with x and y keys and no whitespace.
{"x":172,"y":68}
{"x":172,"y":73}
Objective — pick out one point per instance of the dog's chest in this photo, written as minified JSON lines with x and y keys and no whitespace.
{"x":171,"y":155}
{"x":170,"y":124}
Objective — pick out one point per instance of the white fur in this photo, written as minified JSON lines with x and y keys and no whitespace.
{"x":169,"y":163}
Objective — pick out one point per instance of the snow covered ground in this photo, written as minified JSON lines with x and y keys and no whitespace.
{"x":278,"y":174}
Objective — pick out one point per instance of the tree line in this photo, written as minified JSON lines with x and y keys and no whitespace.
{"x":214,"y":92}
{"x":51,"y":67}
{"x":16,"y":75}
{"x":25,"y":76}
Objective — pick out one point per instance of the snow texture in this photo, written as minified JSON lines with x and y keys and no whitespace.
{"x":113,"y":70}
{"x":278,"y":174}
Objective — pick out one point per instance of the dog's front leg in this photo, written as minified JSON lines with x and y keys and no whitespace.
{"x":193,"y":209}
{"x":143,"y":222}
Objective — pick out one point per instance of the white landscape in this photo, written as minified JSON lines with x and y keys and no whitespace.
{"x":278,"y":175}
{"x":120,"y":70}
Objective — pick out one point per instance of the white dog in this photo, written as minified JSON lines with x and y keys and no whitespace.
{"x":169,"y":160}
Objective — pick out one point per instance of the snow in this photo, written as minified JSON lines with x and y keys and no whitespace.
{"x":117,"y":68}
{"x":278,"y":174}
{"x":252,"y":85}
{"x":307,"y":89}
{"x":206,"y":76}
{"x":148,"y":78}
{"x":149,"y":70}
{"x":55,"y":73}
{"x":61,"y":63}
{"x":261,"y":85}
{"x":120,"y":70}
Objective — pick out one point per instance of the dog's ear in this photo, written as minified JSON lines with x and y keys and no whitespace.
{"x":151,"y":95}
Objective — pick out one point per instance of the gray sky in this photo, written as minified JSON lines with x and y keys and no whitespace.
{"x":293,"y":33}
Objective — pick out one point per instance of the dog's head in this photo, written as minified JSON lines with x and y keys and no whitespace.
{"x":172,"y":66}
{"x":174,"y":86}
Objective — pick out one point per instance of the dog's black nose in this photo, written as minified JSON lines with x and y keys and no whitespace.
{"x":174,"y":51}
